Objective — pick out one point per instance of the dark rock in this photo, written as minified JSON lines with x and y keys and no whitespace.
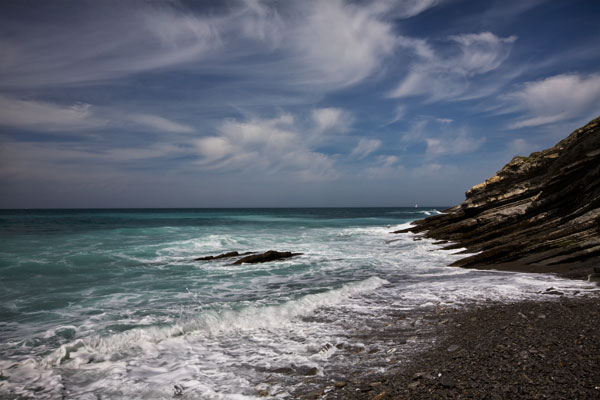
{"x":418,"y":375}
{"x":554,"y":292}
{"x":177,"y":390}
{"x":283,"y":370}
{"x":537,"y":214}
{"x":447,"y":382}
{"x":270,"y":255}
{"x":314,"y":395}
{"x":453,"y":348}
{"x":306,"y":370}
{"x":224,"y":255}
{"x":365,"y":388}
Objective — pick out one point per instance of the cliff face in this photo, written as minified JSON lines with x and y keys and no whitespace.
{"x":539,"y":213}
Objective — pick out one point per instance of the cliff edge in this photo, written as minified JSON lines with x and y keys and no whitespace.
{"x":537,"y":214}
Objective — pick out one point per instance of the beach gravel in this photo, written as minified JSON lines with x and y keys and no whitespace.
{"x":526,"y":350}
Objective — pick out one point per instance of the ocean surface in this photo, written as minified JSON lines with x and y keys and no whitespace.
{"x":111,"y":304}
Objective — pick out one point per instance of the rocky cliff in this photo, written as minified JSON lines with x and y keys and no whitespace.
{"x":539,"y":213}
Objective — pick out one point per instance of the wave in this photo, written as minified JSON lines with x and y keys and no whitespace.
{"x":210,"y":322}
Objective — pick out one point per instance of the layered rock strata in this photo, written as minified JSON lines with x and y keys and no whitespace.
{"x":539,"y":213}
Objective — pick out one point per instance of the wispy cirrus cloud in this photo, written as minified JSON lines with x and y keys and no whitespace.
{"x":441,"y":137}
{"x":160,"y":124}
{"x":341,"y":43}
{"x":331,"y":44}
{"x":553,"y":99}
{"x":365,"y":147}
{"x":403,"y":9}
{"x":47,"y":117}
{"x":119,"y":42}
{"x":437,"y":77}
{"x":77,"y":118}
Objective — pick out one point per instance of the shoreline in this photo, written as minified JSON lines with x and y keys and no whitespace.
{"x":528,"y":349}
{"x":579,"y":270}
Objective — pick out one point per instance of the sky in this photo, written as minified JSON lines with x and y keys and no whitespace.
{"x":307,"y":103}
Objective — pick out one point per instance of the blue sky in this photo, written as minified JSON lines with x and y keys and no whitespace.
{"x":284,"y":103}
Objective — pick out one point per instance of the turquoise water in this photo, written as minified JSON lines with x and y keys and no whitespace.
{"x":111,"y":304}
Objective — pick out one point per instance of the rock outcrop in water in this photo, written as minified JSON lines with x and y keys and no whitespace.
{"x":224,"y":255}
{"x":270,"y":255}
{"x":539,"y":213}
{"x":251,"y":257}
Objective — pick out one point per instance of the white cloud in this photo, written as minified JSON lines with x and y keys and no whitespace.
{"x":46,"y":117}
{"x":445,"y":77}
{"x":214,"y":148}
{"x":331,"y":44}
{"x":441,"y":137}
{"x":311,"y":46}
{"x":388,"y":161}
{"x":402,"y":9}
{"x":267,"y":145}
{"x":260,"y":22}
{"x":54,"y":118}
{"x":160,"y":124}
{"x":452,"y":145}
{"x":341,"y":43}
{"x":118,"y":42}
{"x":385,"y":166}
{"x":415,"y":7}
{"x":60,"y":160}
{"x":365,"y":147}
{"x":554,"y":99}
{"x":331,"y":119}
{"x":399,"y":114}
{"x":481,"y":52}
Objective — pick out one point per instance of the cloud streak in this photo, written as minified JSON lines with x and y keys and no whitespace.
{"x":554,"y":99}
{"x":47,"y":117}
{"x":365,"y":147}
{"x":120,"y":42}
{"x":437,"y":77}
{"x":160,"y":124}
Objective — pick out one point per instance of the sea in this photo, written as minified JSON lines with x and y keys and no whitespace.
{"x":111,"y":304}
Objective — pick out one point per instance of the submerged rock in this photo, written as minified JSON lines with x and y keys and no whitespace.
{"x":303,"y":370}
{"x":538,"y":214}
{"x":270,"y":255}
